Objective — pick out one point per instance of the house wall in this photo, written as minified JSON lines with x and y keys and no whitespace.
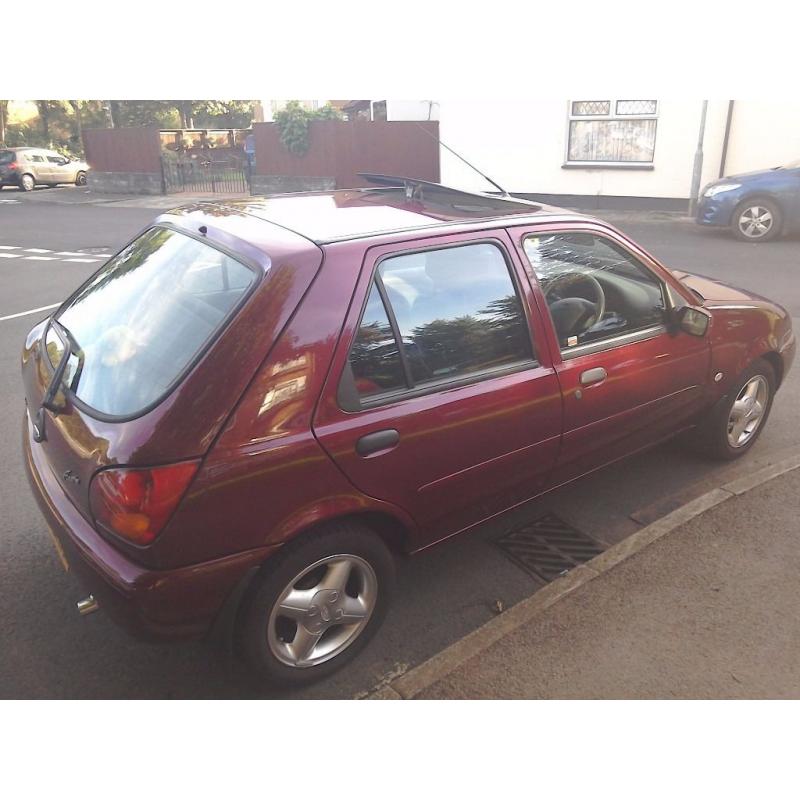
{"x":412,"y":110}
{"x":763,"y":135}
{"x":522,"y":146}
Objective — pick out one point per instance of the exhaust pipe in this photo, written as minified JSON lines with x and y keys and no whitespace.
{"x":87,"y":606}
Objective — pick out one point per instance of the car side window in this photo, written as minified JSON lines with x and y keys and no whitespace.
{"x":453,"y":312}
{"x":595,"y":290}
{"x":37,"y":158}
{"x":375,"y":357}
{"x":55,"y":160}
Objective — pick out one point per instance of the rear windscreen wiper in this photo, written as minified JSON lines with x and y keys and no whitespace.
{"x":71,"y":348}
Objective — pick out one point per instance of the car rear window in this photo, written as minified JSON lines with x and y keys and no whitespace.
{"x":7,"y":156}
{"x":144,"y":317}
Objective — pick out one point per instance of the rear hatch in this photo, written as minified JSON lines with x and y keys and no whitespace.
{"x":7,"y":158}
{"x":155,"y":350}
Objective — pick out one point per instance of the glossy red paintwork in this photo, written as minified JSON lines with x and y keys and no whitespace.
{"x":278,"y":453}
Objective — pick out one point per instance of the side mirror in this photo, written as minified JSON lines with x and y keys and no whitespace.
{"x":694,"y":321}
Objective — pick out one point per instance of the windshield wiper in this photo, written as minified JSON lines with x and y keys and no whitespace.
{"x":71,"y":347}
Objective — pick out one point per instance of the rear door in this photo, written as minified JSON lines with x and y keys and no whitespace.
{"x":442,"y":398}
{"x":38,"y":166}
{"x":627,"y":379}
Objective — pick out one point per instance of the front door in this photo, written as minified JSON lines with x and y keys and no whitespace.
{"x":626,"y":377}
{"x":442,"y":398}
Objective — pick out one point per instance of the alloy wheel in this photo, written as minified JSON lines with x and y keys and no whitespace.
{"x":756,"y":222}
{"x":28,"y":183}
{"x":748,"y":411}
{"x":322,"y":611}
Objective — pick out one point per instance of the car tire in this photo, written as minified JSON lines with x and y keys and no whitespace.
{"x":80,"y":179}
{"x":27,"y":183}
{"x":757,"y":220}
{"x":341,"y":570}
{"x":718,"y":432}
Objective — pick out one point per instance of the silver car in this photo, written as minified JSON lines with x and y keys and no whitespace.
{"x":28,"y":167}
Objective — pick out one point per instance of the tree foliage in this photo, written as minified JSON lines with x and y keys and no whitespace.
{"x":293,"y":121}
{"x":60,"y":122}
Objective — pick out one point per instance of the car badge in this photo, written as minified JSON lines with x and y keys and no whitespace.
{"x":70,"y":477}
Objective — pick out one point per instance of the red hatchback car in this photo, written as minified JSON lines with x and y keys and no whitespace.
{"x":256,"y":403}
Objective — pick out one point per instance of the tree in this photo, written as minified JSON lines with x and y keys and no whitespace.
{"x":3,"y":114}
{"x":293,"y":121}
{"x":76,"y":110}
{"x":46,"y":109}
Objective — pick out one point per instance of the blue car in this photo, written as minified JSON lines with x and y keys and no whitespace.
{"x":757,"y":206}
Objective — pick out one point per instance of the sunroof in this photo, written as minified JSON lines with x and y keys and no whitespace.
{"x":350,"y":213}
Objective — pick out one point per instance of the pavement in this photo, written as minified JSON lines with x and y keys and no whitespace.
{"x":48,"y":651}
{"x":703,"y":603}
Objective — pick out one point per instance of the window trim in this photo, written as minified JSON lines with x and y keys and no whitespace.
{"x":612,"y":342}
{"x":611,"y":116}
{"x":347,"y":396}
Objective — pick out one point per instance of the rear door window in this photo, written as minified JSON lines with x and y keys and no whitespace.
{"x":143,"y":319}
{"x":453,"y":313}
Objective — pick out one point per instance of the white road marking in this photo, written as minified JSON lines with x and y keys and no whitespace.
{"x":10,"y":255}
{"x":36,"y":250}
{"x":39,"y":258}
{"x":84,"y":255}
{"x":81,"y":260}
{"x":32,"y":311}
{"x":9,"y":247}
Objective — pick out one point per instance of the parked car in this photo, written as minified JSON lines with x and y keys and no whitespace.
{"x":255,"y":406}
{"x":757,"y":206}
{"x":28,"y":167}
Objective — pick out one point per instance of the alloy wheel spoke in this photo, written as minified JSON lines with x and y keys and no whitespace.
{"x":756,"y":411}
{"x":336,"y":577}
{"x":297,"y":603}
{"x":739,"y":409}
{"x":355,"y":610}
{"x":303,"y":644}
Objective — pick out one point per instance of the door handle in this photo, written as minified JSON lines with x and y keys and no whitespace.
{"x":593,"y":376}
{"x":379,"y":440}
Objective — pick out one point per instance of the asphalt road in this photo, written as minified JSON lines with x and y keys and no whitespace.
{"x":47,"y":650}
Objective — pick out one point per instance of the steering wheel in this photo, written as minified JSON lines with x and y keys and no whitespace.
{"x":575,"y":315}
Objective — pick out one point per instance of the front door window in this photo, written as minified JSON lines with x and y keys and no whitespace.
{"x":595,"y":290}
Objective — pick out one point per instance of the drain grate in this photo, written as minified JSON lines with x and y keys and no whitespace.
{"x":548,"y":547}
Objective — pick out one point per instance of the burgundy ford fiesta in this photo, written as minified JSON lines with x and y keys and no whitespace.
{"x":255,"y":405}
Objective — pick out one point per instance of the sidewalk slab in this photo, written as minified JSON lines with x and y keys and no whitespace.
{"x":711,"y":610}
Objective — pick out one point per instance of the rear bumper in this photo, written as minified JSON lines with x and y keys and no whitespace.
{"x":151,"y":604}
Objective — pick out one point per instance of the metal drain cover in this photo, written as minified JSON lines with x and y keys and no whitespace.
{"x":548,"y":547}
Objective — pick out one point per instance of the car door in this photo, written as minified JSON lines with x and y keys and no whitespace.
{"x":442,"y":398}
{"x":39,"y":167}
{"x":628,"y":378}
{"x":56,"y":165}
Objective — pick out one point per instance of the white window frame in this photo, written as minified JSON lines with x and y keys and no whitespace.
{"x":612,"y":115}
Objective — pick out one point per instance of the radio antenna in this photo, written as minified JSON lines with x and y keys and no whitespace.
{"x":471,"y":166}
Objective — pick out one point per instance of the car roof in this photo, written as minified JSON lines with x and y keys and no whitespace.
{"x":338,"y":215}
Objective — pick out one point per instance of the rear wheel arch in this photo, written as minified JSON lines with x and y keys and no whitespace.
{"x":394,"y":532}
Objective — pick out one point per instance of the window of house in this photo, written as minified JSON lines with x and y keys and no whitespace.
{"x":612,"y":131}
{"x":452,"y":313}
{"x":595,"y":290}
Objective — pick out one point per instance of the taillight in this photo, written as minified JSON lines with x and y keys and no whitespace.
{"x":136,"y":503}
{"x":12,"y":165}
